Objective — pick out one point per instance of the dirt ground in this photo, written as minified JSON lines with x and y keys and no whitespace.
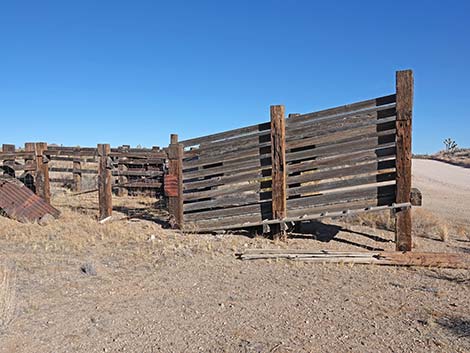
{"x":150,"y":289}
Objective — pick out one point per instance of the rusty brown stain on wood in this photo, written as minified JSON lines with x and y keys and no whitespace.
{"x":104,"y":182}
{"x":278,"y":158}
{"x":404,"y":88}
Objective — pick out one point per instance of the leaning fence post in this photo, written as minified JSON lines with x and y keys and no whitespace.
{"x":404,"y":94}
{"x":278,"y":157}
{"x":42,"y":185}
{"x":77,"y":170}
{"x":175,"y":173}
{"x":104,"y":182}
{"x":9,"y":161}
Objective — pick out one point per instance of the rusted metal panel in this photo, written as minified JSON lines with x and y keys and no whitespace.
{"x":20,"y":203}
{"x":171,"y":185}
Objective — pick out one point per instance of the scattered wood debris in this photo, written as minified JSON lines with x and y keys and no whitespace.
{"x":393,"y":258}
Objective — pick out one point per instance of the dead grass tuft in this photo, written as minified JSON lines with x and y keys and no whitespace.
{"x":427,"y":224}
{"x":7,"y":296}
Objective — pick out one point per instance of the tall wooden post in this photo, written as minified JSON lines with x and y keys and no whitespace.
{"x":10,"y":161}
{"x":175,"y":174}
{"x":77,"y":170}
{"x":122,"y":169}
{"x":104,"y":182}
{"x":404,"y":90}
{"x":42,"y":185}
{"x":278,"y":156}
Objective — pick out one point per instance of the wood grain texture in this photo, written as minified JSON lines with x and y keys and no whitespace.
{"x":104,"y":182}
{"x":42,"y":183}
{"x":175,"y":168}
{"x":404,"y":87}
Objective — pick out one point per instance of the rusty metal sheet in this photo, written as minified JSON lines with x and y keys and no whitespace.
{"x":20,"y":203}
{"x":170,"y":185}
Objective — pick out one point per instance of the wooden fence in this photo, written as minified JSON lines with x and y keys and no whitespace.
{"x":339,"y":161}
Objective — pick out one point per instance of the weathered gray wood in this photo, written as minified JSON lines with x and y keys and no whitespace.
{"x":253,"y":129}
{"x":254,"y":175}
{"x":338,"y":197}
{"x":373,"y":117}
{"x":339,"y":184}
{"x":348,"y":108}
{"x":260,"y":208}
{"x":348,"y":171}
{"x":342,"y":148}
{"x":230,"y":167}
{"x":104,"y":182}
{"x":346,"y":159}
{"x":339,"y":137}
{"x":175,"y":168}
{"x":230,"y":200}
{"x":404,"y":87}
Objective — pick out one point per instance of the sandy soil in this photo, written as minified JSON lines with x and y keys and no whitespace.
{"x":157,"y":290}
{"x":445,"y":188}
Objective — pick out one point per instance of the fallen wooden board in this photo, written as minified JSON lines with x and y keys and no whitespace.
{"x":391,"y":258}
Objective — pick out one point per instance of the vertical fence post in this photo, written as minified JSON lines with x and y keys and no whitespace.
{"x":104,"y":182}
{"x":77,"y":170}
{"x":122,"y":168}
{"x":278,"y":156}
{"x":42,"y":185}
{"x":175,"y":171}
{"x":9,"y":162}
{"x":404,"y":91}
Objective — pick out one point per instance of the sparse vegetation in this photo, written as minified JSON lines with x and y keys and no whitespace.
{"x":450,"y":144}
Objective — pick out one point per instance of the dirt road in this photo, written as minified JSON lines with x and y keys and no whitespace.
{"x":445,"y":188}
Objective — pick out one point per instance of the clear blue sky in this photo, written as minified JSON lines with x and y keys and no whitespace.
{"x":132,"y":72}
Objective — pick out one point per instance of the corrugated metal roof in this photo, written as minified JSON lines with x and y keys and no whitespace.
{"x":20,"y":203}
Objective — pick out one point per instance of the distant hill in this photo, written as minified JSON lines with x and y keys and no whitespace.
{"x":460,"y":157}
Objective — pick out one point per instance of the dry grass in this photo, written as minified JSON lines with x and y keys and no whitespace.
{"x":427,"y":224}
{"x":7,"y":296}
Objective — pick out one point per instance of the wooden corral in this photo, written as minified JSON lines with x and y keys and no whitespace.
{"x":334,"y":162}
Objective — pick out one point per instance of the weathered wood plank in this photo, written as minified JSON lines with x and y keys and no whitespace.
{"x":229,"y":201}
{"x":341,"y":197}
{"x":348,"y":108}
{"x":404,"y":87}
{"x":253,"y":129}
{"x":340,"y":184}
{"x":347,"y":159}
{"x":264,"y":208}
{"x":348,"y":171}
{"x":248,"y":175}
{"x":342,"y":147}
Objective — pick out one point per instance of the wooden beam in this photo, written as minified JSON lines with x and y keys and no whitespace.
{"x":104,"y":182}
{"x":278,"y":157}
{"x":77,"y":171}
{"x":175,"y":169}
{"x":404,"y":89}
{"x":42,"y":183}
{"x":391,"y":258}
{"x":9,"y":162}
